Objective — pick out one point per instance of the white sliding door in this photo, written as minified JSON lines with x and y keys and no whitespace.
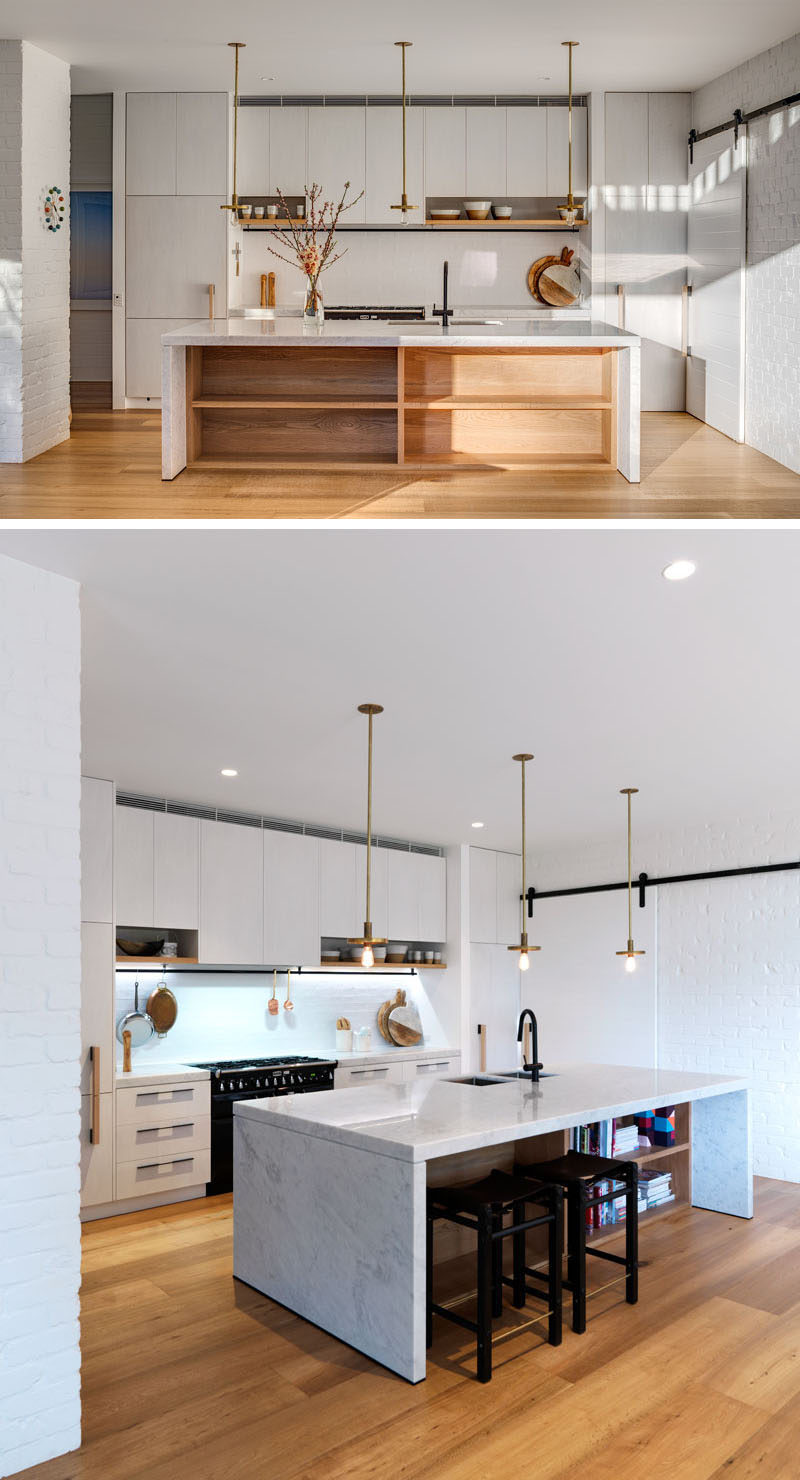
{"x":717,"y":243}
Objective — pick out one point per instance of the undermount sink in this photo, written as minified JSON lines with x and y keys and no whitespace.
{"x":522,"y":1074}
{"x":472,"y":323}
{"x":475,"y":1079}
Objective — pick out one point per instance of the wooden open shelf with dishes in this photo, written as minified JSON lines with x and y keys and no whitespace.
{"x":432,"y":408}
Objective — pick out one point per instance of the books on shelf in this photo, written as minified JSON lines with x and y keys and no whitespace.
{"x":622,"y":1140}
{"x":655,"y":1187}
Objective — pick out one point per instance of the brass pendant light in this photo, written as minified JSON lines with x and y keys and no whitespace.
{"x":570,"y":211}
{"x":233,"y":204}
{"x":404,"y":205}
{"x":523,"y":948}
{"x":631,"y":953}
{"x":368,"y":940}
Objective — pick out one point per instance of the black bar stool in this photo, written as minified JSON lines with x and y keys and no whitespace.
{"x":484,"y":1206}
{"x":578,"y":1173}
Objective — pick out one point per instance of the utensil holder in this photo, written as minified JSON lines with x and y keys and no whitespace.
{"x":344,"y":1040}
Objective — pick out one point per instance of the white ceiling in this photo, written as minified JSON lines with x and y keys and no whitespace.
{"x":459,"y":45}
{"x":252,"y":649}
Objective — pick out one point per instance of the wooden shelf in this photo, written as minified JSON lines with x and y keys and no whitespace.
{"x":264,"y":225}
{"x":510,"y":403}
{"x":207,"y":463}
{"x":158,"y":960}
{"x":385,"y":966}
{"x":614,"y":1230}
{"x":311,"y":402}
{"x":656,"y":1153}
{"x":550,"y":223}
{"x":444,"y":461}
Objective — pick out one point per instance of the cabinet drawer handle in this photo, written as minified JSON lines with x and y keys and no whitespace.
{"x":153,"y":1130}
{"x":148,"y":1166}
{"x":162,"y":1096}
{"x":94,"y":1124}
{"x":426,"y":1068}
{"x":686,"y":293}
{"x":354,"y":1072}
{"x":621,"y":305}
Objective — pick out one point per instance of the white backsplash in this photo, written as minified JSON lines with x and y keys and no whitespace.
{"x":386,"y":267}
{"x":224,"y":1014}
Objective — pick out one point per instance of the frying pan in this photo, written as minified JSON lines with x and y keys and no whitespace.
{"x":137,"y":1023}
{"x":162,"y":1009}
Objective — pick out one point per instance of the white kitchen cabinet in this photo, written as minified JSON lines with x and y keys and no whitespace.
{"x":526,"y":151}
{"x":509,"y":905}
{"x":337,"y":153}
{"x":163,"y":1102}
{"x":97,"y":1157}
{"x":288,"y":150}
{"x":486,"y":153}
{"x":439,"y":1068}
{"x":231,"y":894}
{"x":291,"y":899}
{"x":482,"y":895}
{"x":558,"y":151}
{"x":202,"y":143}
{"x":151,"y":143}
{"x":384,"y":164}
{"x":379,"y":884}
{"x":175,"y":247}
{"x":445,"y":151}
{"x":416,"y":896}
{"x":252,"y":155}
{"x":97,"y":1003}
{"x":97,"y":843}
{"x":143,"y":355}
{"x":351,"y":1076}
{"x":340,"y":913}
{"x":133,"y":865}
{"x":176,"y":871}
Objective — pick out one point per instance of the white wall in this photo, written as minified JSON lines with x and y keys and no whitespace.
{"x":225,"y":1015}
{"x":39,"y":1015}
{"x":726,"y":987}
{"x":772,"y":327}
{"x":34,"y":262}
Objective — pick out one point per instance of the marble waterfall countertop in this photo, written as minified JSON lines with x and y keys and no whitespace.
{"x":418,"y":1121}
{"x":507,"y":334}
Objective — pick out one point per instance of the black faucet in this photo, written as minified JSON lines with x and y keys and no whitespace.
{"x":444,"y":313}
{"x":533,"y":1068}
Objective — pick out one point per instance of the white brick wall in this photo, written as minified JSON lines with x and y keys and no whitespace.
{"x":39,"y":1015}
{"x":727,"y":978}
{"x":772,"y":329}
{"x":34,"y":262}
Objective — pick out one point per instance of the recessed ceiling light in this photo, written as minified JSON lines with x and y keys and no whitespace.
{"x":477,"y":824}
{"x":227,"y":771}
{"x":679,"y":570}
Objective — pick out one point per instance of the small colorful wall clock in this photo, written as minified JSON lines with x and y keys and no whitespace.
{"x":54,"y":209}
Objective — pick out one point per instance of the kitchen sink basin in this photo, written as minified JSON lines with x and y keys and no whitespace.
{"x":477,"y":1079}
{"x":471,"y":323}
{"x":521,"y":1074}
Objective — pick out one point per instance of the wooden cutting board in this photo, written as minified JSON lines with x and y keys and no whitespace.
{"x":405,"y":1026}
{"x":538,"y":267}
{"x":383,"y":1014}
{"x":559,"y":285}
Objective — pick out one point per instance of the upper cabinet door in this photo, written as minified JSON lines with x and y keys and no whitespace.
{"x":432,"y":887}
{"x":151,"y":144}
{"x":133,"y":866}
{"x":176,"y":874}
{"x":526,"y":135}
{"x":385,"y":164}
{"x":163,"y":282}
{"x":252,"y":155}
{"x":445,"y":151}
{"x":97,"y":843}
{"x":97,"y":1003}
{"x":202,"y":143}
{"x":509,"y":906}
{"x":288,"y":150}
{"x":486,"y":153}
{"x":379,"y":883}
{"x":337,"y":153}
{"x":482,"y":895}
{"x":231,"y":894}
{"x":403,"y":895}
{"x":339,"y":907}
{"x":558,"y":151}
{"x":291,"y":899}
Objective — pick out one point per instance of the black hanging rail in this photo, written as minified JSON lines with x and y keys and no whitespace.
{"x":644,"y":882}
{"x":739,"y":120}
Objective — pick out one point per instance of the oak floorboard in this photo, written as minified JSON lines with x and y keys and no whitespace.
{"x":190,"y":1375}
{"x":110,"y":468}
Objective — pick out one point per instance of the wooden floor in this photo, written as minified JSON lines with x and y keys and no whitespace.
{"x":189,"y":1376}
{"x":110,"y":469}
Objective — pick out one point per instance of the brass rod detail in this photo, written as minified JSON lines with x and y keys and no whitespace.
{"x":370,"y":710}
{"x":570,"y":201}
{"x":404,"y":203}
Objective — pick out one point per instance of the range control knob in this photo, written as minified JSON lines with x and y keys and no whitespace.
{"x":241,"y":1085}
{"x":258,"y":1084}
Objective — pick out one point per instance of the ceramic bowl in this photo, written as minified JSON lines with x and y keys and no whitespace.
{"x":445,"y":215}
{"x":478,"y":210}
{"x":503,"y":213}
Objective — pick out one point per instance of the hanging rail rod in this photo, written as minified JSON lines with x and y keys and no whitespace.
{"x":739,"y":120}
{"x":644,"y":882}
{"x":406,"y":968}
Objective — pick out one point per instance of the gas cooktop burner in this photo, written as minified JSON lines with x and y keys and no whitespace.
{"x":237,"y":1065}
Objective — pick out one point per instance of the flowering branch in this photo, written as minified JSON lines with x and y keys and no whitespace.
{"x":312,"y":241}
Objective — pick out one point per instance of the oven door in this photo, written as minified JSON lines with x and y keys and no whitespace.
{"x":222,"y":1138}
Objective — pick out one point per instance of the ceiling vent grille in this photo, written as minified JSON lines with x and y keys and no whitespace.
{"x":432,"y":100}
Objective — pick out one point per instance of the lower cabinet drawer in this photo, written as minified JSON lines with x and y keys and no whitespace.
{"x":176,"y":1137}
{"x":158,"y":1104}
{"x":430,"y":1068}
{"x":147,"y":1175}
{"x":352,"y":1077}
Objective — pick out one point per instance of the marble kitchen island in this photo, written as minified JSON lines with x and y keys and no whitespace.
{"x":272,"y":393}
{"x":329,"y":1190}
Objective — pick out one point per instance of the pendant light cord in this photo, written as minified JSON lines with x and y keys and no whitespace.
{"x":369,"y":815}
{"x":630,"y":875}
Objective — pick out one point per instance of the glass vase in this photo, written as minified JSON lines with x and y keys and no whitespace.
{"x":313,"y":310}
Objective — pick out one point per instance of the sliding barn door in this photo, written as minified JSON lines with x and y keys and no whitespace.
{"x":717,"y":244}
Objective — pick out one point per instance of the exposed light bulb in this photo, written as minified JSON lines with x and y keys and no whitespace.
{"x":367,"y":956}
{"x":524,"y":963}
{"x":630,"y":963}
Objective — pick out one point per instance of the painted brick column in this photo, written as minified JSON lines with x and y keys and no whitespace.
{"x":34,"y":262}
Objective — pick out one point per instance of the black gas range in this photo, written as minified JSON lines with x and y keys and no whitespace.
{"x":392,"y":313}
{"x":254,"y":1079}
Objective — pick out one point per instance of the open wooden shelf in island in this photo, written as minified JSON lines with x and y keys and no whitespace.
{"x":423,"y":409}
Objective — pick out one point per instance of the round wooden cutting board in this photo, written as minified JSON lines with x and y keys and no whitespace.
{"x":540,"y":265}
{"x":559,"y":285}
{"x":405,"y":1026}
